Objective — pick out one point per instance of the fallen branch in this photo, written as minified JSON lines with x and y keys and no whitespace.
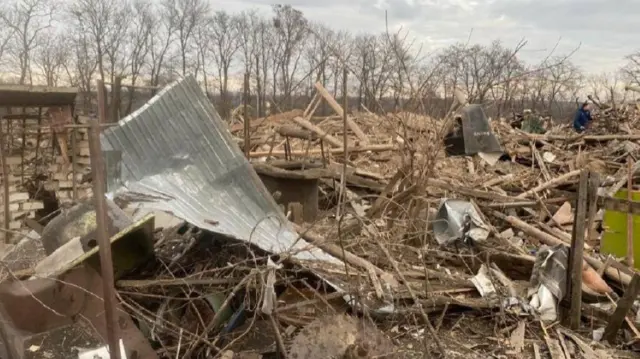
{"x":372,"y":148}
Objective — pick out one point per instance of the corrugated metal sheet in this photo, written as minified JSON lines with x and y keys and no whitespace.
{"x":178,"y":156}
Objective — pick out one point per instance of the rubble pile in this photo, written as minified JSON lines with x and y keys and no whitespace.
{"x":412,"y":252}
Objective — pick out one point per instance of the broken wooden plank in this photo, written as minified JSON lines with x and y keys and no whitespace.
{"x":313,"y":128}
{"x":546,"y":185}
{"x":340,"y":111}
{"x":295,"y":132}
{"x":308,"y":112}
{"x":613,"y":273}
{"x":594,"y":184}
{"x":297,"y":212}
{"x":624,"y":305}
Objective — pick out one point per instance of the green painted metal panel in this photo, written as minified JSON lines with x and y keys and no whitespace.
{"x":614,"y":239}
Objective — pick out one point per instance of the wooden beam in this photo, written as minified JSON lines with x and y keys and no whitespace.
{"x":312,"y":105}
{"x":104,"y":244}
{"x":576,"y":252}
{"x":592,"y":200}
{"x":116,"y":100}
{"x":323,"y":135}
{"x":5,"y":180}
{"x":295,"y":132}
{"x":624,"y":305}
{"x":340,"y":111}
{"x":74,"y":160}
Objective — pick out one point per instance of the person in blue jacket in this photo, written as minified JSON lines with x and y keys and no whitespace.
{"x":583,"y":118}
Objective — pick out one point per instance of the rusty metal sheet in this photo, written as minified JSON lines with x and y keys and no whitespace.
{"x":42,"y":312}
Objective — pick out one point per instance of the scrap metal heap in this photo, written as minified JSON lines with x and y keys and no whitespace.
{"x":463,"y":253}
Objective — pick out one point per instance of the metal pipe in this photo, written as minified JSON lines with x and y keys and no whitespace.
{"x":104,"y":245}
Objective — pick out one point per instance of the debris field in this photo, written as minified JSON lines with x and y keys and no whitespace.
{"x":356,"y":235}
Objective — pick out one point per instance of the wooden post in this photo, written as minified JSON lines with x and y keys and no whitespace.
{"x":104,"y":245}
{"x":630,"y":261}
{"x":5,"y":182}
{"x":24,"y":141}
{"x":343,"y":177}
{"x":624,"y":305}
{"x":247,"y":122}
{"x":102,"y":96}
{"x":74,"y":159}
{"x":38,"y":134}
{"x":297,"y":212}
{"x":594,"y":183}
{"x":574,"y":272}
{"x":115,"y":99}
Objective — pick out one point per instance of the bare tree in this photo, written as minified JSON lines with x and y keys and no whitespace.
{"x":608,"y":87}
{"x":138,"y":44}
{"x":267,"y":42}
{"x":563,"y":84}
{"x":291,"y":30}
{"x":341,"y":52}
{"x":203,"y":53}
{"x":6,"y":33}
{"x":247,"y":27}
{"x":116,"y":38}
{"x":372,"y":63}
{"x":478,"y":68}
{"x":53,"y":56}
{"x":164,"y":28}
{"x":81,"y":68}
{"x":317,"y":55}
{"x":403,"y":63}
{"x":155,"y":42}
{"x":187,"y":16}
{"x":100,"y":20}
{"x":631,"y":70}
{"x":27,"y":19}
{"x":225,"y":34}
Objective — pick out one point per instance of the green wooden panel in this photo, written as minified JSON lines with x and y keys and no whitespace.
{"x":614,"y":239}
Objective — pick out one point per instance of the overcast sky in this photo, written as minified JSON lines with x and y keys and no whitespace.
{"x":605,"y":30}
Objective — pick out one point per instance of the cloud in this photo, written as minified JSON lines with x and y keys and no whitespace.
{"x":605,"y":33}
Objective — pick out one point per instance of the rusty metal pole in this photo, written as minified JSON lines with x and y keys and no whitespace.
{"x":104,"y":245}
{"x":5,"y":181}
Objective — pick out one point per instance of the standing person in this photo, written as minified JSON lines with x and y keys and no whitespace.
{"x":583,"y":118}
